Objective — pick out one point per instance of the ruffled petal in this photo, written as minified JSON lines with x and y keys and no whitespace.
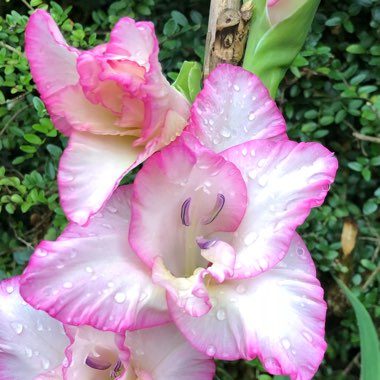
{"x":95,"y":355}
{"x":183,"y":192}
{"x":135,"y":41}
{"x":234,"y":107}
{"x":89,"y":171}
{"x":91,"y":276}
{"x":284,"y":180}
{"x":278,"y":316}
{"x":164,"y":354}
{"x":31,"y":342}
{"x":52,"y":61}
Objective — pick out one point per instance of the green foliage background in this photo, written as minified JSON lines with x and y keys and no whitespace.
{"x":331,"y":95}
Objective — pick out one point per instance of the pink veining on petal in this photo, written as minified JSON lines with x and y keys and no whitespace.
{"x":91,"y":276}
{"x":284,"y":181}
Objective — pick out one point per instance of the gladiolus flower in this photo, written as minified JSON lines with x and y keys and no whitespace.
{"x":35,"y":346}
{"x":112,"y":101}
{"x":216,"y":231}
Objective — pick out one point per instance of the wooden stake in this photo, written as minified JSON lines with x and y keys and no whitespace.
{"x":227,"y":32}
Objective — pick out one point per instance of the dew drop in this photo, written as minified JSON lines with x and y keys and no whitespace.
{"x":119,"y":297}
{"x":68,"y":285}
{"x":9,"y":289}
{"x":89,"y":270}
{"x":244,"y":152}
{"x":286,"y":343}
{"x":110,"y":284}
{"x":211,"y":121}
{"x":220,"y":315}
{"x":112,"y":209}
{"x":251,"y":116}
{"x":300,"y":251}
{"x":241,"y":289}
{"x":28,"y":352}
{"x":41,"y":252}
{"x":250,"y":238}
{"x":226,"y":132}
{"x":107,"y":226}
{"x":210,"y":351}
{"x":263,"y":181}
{"x":253,"y":153}
{"x":307,"y":336}
{"x":17,"y":327}
{"x":236,"y":88}
{"x":45,"y":363}
{"x":252,"y":174}
{"x":261,"y":163}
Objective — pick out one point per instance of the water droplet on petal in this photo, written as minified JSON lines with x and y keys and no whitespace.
{"x":300,"y":251}
{"x":41,"y":252}
{"x":9,"y":289}
{"x":226,"y":132}
{"x":241,"y":289}
{"x":28,"y":352}
{"x":89,"y":270}
{"x":261,"y":163}
{"x":252,"y":174}
{"x":68,"y":285}
{"x":210,"y":351}
{"x":110,"y":284}
{"x":250,"y":238}
{"x":45,"y":363}
{"x":119,"y":297}
{"x":211,"y":121}
{"x":17,"y":327}
{"x":112,"y":209}
{"x":220,"y":315}
{"x":286,"y":343}
{"x":263,"y":181}
{"x":251,"y":116}
{"x":236,"y":88}
{"x":253,"y":153}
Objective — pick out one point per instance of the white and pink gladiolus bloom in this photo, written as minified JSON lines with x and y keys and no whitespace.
{"x":35,"y":346}
{"x":112,"y":101}
{"x":211,"y":243}
{"x":279,"y":10}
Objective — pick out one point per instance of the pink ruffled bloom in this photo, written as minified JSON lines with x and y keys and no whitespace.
{"x":279,"y":10}
{"x":34,"y":346}
{"x":212,"y":242}
{"x":112,"y":101}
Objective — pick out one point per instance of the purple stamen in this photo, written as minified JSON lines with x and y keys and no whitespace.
{"x":97,"y":363}
{"x":219,"y":204}
{"x":116,"y":369}
{"x":185,"y":215}
{"x":204,"y":243}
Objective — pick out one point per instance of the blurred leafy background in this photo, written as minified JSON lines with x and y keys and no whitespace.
{"x":331,"y":95}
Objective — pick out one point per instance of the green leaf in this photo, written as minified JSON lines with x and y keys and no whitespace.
{"x":369,"y":341}
{"x":189,"y":80}
{"x":179,"y":18}
{"x":32,"y":139}
{"x":281,"y":378}
{"x":356,"y":49}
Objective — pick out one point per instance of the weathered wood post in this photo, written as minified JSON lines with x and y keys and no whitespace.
{"x":227,"y":32}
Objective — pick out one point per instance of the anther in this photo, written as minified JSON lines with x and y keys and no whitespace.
{"x":219,"y":204}
{"x":185,"y":214}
